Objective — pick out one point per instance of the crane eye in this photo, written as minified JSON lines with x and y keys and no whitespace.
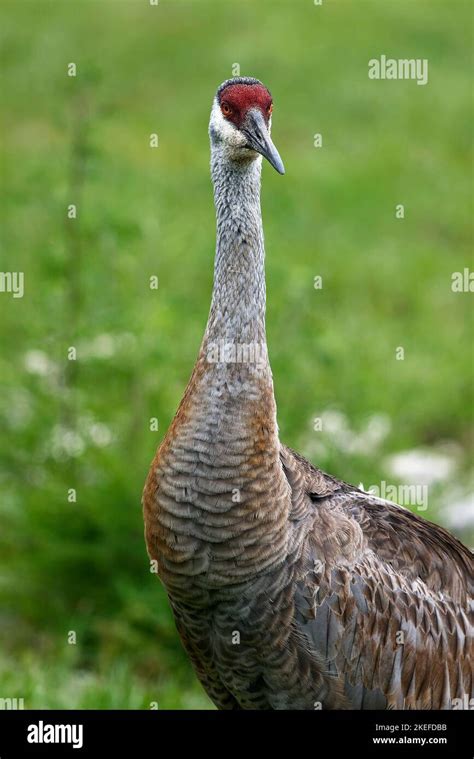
{"x":270,"y":109}
{"x":226,"y":109}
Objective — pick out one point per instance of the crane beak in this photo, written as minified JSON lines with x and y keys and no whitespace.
{"x":258,"y":139}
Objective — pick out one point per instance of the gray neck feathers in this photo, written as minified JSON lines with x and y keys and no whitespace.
{"x":237,"y":315}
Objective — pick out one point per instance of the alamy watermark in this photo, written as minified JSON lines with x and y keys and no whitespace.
{"x":405,"y":495}
{"x":223,"y":352}
{"x":12,"y":703}
{"x":462,"y":281}
{"x":12,"y":282}
{"x":48,"y":733}
{"x":399,"y":68}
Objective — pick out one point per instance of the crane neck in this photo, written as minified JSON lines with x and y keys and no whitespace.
{"x":237,"y":314}
{"x":225,"y":500}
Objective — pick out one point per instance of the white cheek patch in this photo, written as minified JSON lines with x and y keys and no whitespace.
{"x":224,"y":129}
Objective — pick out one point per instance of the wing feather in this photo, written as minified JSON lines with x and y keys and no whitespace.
{"x":391,"y":608}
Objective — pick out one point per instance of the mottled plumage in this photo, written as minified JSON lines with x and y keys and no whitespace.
{"x":290,"y":588}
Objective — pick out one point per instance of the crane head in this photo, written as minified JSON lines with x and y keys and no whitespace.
{"x":241,"y":119}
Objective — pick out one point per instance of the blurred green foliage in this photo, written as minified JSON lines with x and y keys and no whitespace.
{"x":141,"y":212}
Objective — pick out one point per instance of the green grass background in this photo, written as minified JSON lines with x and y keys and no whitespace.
{"x":82,"y":566}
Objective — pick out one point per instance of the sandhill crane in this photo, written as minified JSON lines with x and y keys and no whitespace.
{"x":290,"y":589}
